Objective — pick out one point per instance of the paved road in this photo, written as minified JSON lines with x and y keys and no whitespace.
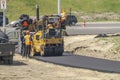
{"x":87,"y":62}
{"x":83,"y":62}
{"x":100,"y":24}
{"x":94,"y":28}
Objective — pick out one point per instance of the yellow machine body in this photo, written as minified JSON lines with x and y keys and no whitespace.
{"x":47,"y":38}
{"x":45,"y":43}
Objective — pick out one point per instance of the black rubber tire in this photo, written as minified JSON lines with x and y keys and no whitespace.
{"x":5,"y":61}
{"x":10,"y":61}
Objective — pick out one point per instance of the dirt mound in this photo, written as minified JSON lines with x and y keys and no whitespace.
{"x":90,"y":46}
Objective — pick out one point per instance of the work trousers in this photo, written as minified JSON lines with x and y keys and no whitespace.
{"x":27,"y":51}
{"x":22,"y":49}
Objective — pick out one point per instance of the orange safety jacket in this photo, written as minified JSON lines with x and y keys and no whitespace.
{"x":27,"y":40}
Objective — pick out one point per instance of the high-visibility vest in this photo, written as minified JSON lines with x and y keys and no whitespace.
{"x":27,"y":40}
{"x":63,"y":15}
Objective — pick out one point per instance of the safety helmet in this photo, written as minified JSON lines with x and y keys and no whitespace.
{"x":49,"y":26}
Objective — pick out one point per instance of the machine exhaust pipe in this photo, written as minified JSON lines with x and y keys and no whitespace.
{"x":37,"y":12}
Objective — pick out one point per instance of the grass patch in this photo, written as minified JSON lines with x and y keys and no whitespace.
{"x":17,"y":7}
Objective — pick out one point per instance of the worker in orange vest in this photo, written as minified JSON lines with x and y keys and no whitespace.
{"x":28,"y":40}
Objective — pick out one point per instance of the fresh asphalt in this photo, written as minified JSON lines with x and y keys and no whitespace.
{"x":78,"y":61}
{"x":83,"y":61}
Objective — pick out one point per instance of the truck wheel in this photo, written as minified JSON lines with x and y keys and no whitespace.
{"x":5,"y":61}
{"x":10,"y":61}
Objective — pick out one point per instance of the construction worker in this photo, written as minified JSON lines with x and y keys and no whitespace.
{"x":22,"y":44}
{"x":27,"y":38}
{"x":63,"y":22}
{"x":63,"y":19}
{"x":58,"y":24}
{"x":63,"y":15}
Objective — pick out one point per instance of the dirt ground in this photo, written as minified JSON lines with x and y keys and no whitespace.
{"x":88,"y":45}
{"x":30,"y":69}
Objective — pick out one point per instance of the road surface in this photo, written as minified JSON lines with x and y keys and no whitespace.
{"x":94,"y":28}
{"x":83,"y":62}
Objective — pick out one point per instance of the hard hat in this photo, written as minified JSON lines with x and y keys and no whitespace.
{"x":49,"y":26}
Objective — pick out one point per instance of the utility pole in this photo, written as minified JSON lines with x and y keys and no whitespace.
{"x":37,"y":12}
{"x":70,"y":17}
{"x":4,"y":21}
{"x":59,"y":8}
{"x":3,"y":7}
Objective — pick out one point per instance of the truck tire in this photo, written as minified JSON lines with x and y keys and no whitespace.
{"x":8,"y":60}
